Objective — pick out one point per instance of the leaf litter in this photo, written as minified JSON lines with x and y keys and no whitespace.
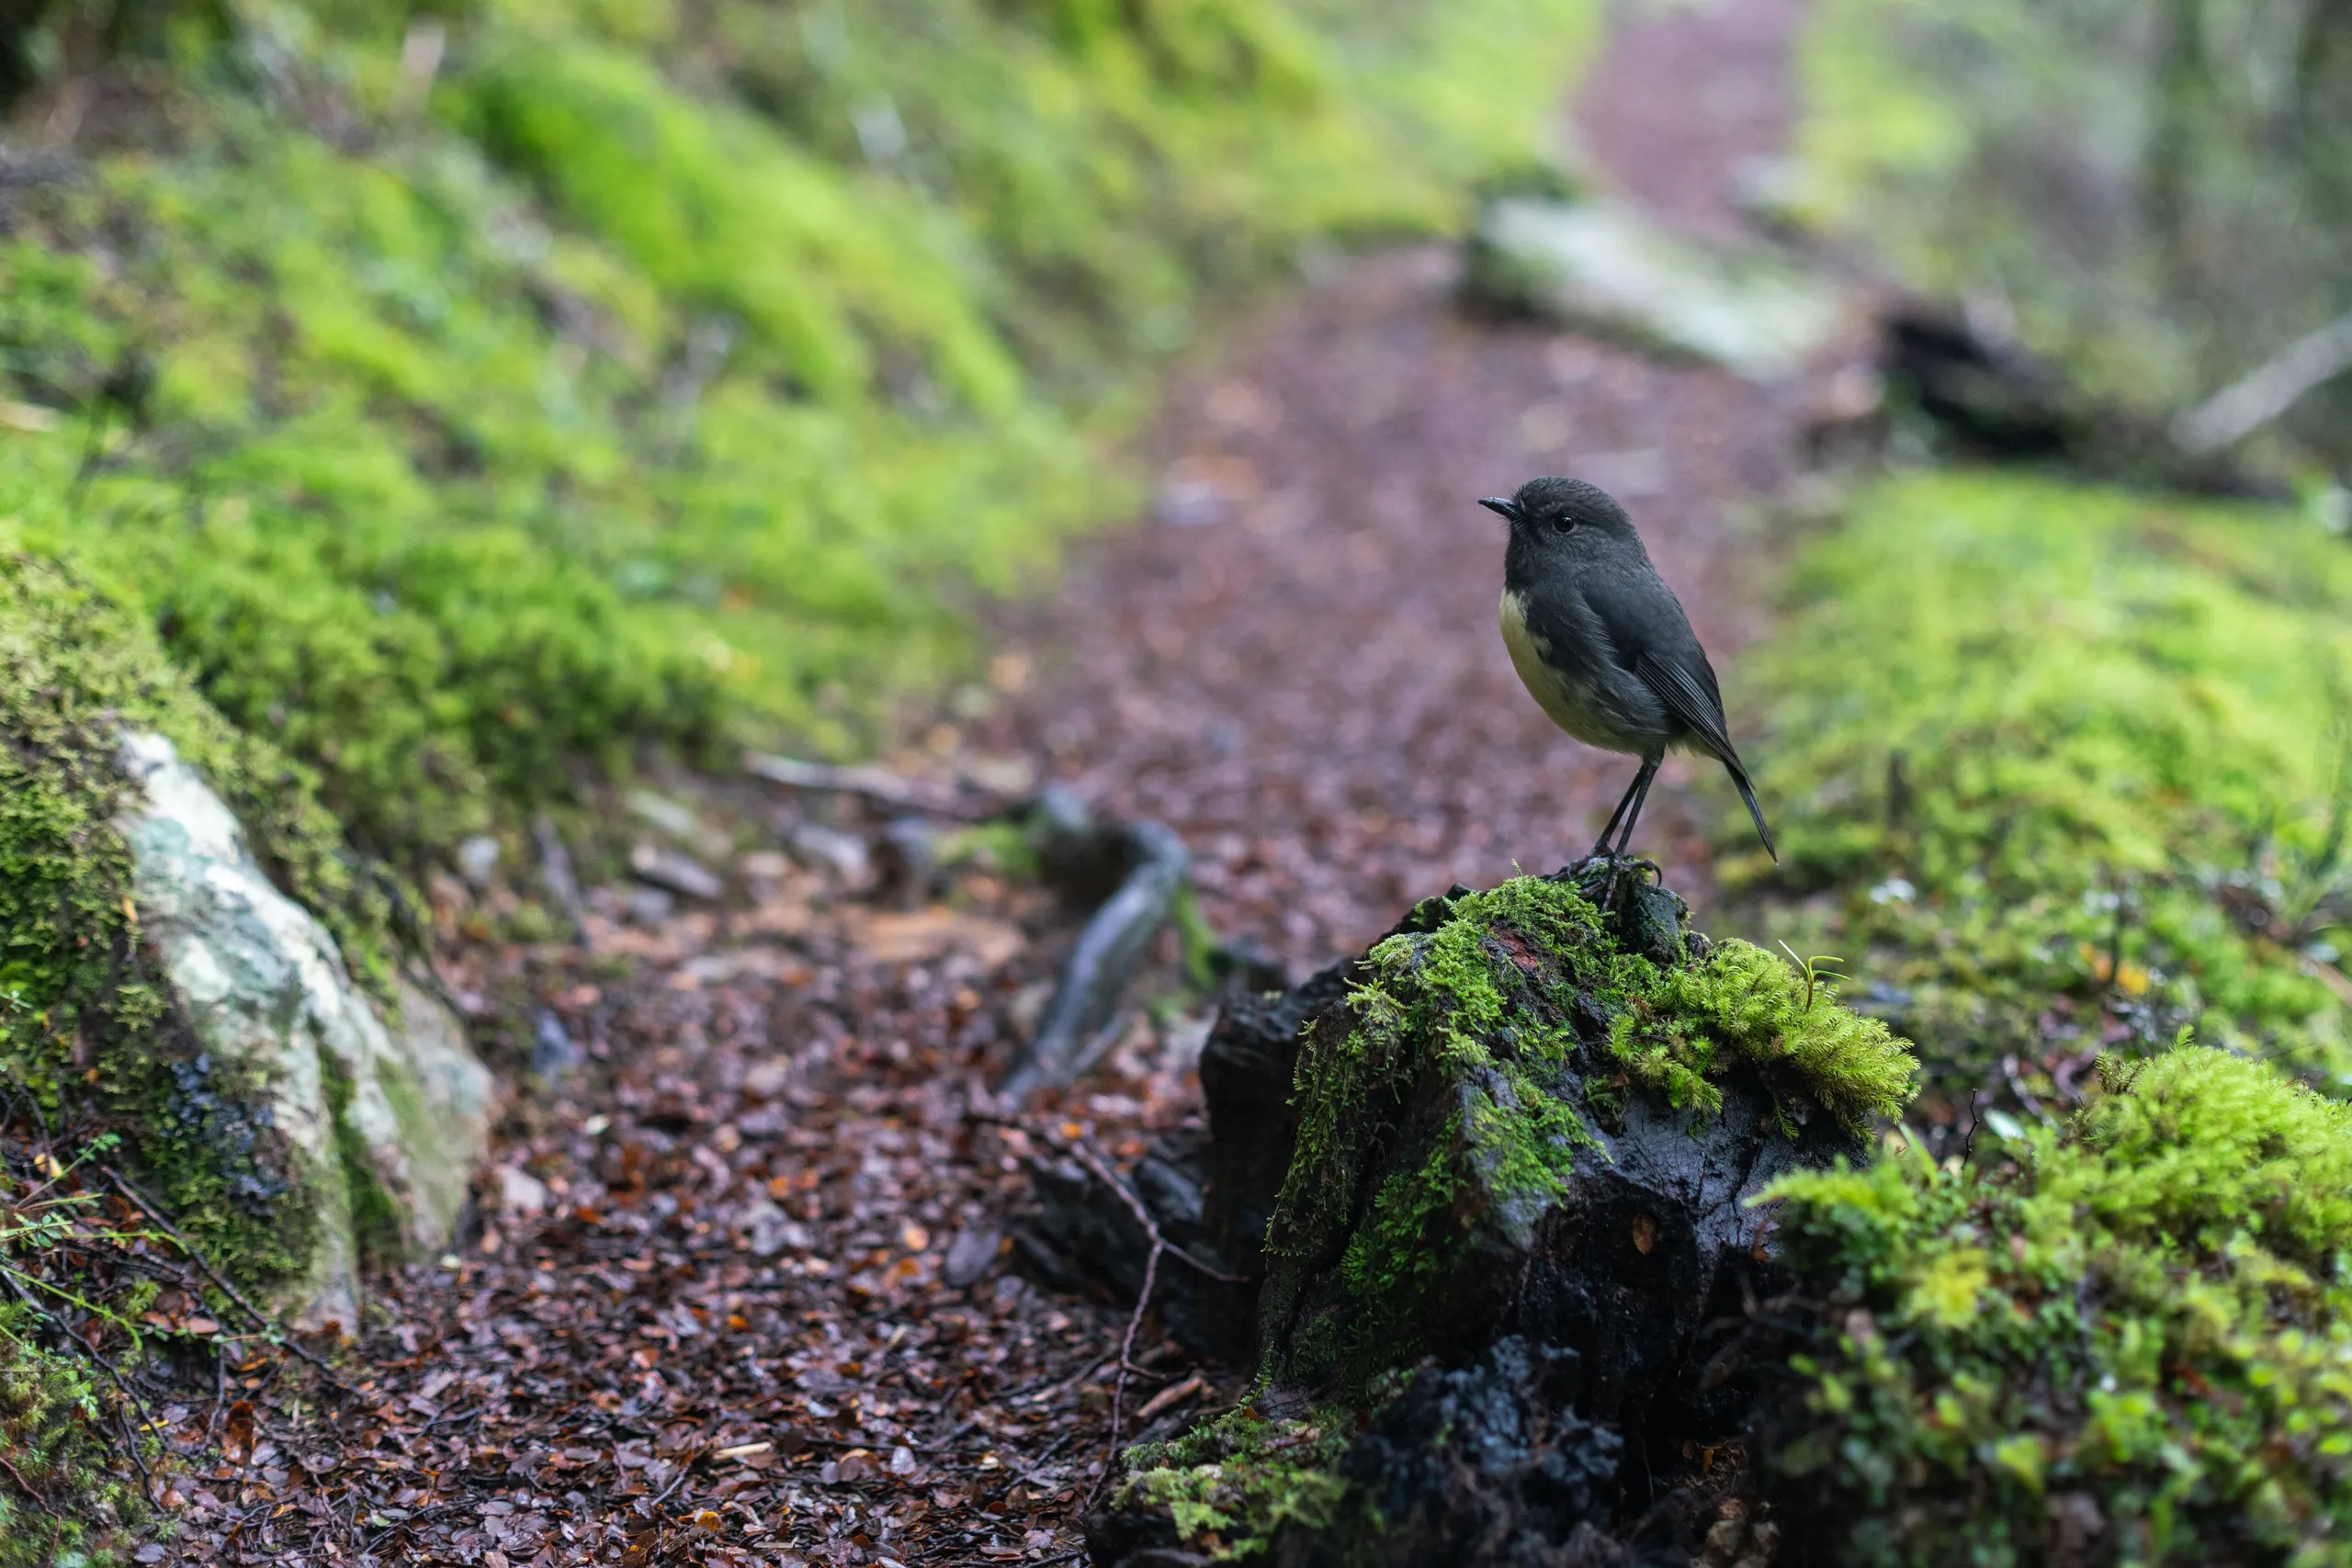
{"x":738,"y":1292}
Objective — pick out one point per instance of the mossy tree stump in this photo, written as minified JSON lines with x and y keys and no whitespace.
{"x":1504,"y":1168}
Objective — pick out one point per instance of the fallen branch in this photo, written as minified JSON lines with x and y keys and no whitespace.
{"x":877,"y":785}
{"x":2245,"y":405}
{"x":1085,"y":999}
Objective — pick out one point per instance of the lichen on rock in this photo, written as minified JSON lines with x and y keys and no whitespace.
{"x":383,"y":1123}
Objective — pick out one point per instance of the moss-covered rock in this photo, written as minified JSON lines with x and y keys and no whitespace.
{"x":384,"y":1114}
{"x":1505,"y":1124}
{"x":154,"y":975}
{"x":2129,"y":1342}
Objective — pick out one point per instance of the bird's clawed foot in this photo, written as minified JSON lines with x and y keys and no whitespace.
{"x":1597,"y":875}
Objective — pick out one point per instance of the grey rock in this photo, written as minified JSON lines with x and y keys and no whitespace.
{"x":829,"y":849}
{"x":971,"y":1254}
{"x":1602,"y":266}
{"x":677,"y":872}
{"x":553,"y":1051}
{"x":477,"y":860}
{"x":648,"y":905}
{"x":264,"y":987}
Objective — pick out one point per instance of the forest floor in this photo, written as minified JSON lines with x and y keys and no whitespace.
{"x":742,"y":1292}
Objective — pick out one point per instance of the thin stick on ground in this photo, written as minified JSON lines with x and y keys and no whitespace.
{"x":685,"y":1468}
{"x":1100,"y":1169}
{"x":269,"y":1325}
{"x":38,"y":1501}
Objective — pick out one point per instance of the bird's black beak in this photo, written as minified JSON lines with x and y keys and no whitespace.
{"x":1504,"y":507}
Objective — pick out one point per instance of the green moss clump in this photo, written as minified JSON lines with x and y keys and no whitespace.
{"x":84,"y":1022}
{"x":2133,"y":1345}
{"x":86,"y":1501}
{"x":1745,"y":1005}
{"x":1230,"y":1484}
{"x":2073,"y":761}
{"x":1461,"y":1048}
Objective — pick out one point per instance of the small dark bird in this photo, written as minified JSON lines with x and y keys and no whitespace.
{"x":1603,"y":644}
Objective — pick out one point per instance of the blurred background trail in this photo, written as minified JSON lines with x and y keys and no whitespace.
{"x":1295,"y":664}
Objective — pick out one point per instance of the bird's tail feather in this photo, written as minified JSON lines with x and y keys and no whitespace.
{"x":1755,"y":812}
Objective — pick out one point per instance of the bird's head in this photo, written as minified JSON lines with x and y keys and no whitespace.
{"x":1547,"y":510}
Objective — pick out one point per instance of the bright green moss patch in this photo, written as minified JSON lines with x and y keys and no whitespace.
{"x":1744,"y":1004}
{"x":2138,"y":1337}
{"x":1230,"y":1484}
{"x":1465,"y":1047}
{"x":2073,"y":764}
{"x":82,"y":1498}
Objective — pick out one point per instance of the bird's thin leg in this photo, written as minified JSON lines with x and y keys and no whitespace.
{"x":1636,"y":796}
{"x":1601,"y":846}
{"x":1641,"y":794}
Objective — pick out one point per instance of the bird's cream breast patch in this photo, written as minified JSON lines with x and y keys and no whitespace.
{"x":1561,"y":702}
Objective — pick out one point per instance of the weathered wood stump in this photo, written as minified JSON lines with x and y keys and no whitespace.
{"x":1492,"y":1186}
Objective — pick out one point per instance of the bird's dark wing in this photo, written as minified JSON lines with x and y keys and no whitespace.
{"x":1687,"y":686}
{"x":1653,"y":640}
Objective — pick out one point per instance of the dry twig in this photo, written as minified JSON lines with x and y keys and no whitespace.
{"x":38,"y":1501}
{"x":1101,"y":1171}
{"x":269,"y":1325}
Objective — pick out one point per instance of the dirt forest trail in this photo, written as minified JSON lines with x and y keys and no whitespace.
{"x":743,"y":1290}
{"x":1296,"y":665}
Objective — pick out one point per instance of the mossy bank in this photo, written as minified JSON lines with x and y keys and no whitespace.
{"x":2065,"y":769}
{"x":473,"y":396}
{"x":2129,"y":1340}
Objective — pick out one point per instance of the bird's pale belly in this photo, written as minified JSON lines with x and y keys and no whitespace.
{"x":1567,"y":702}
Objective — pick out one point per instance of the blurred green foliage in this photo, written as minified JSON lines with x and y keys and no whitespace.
{"x":2053,"y":761}
{"x":471,"y":394}
{"x":2157,"y":192}
{"x":2130,"y":1342}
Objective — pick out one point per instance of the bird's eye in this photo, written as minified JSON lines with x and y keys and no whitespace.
{"x":1565,"y":522}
